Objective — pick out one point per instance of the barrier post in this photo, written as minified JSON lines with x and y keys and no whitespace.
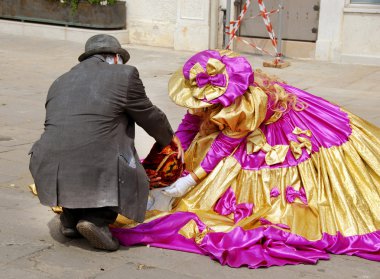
{"x":278,"y":62}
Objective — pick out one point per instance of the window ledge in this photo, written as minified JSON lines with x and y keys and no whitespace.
{"x":360,"y":8}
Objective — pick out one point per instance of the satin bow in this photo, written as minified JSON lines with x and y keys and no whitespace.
{"x":275,"y":192}
{"x":291,"y":194}
{"x":227,"y":205}
{"x":296,"y":147}
{"x":299,"y":131}
{"x":210,"y":83}
{"x":256,"y":141}
{"x":216,"y":80}
{"x":266,"y":222}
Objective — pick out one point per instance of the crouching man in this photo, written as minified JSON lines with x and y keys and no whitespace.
{"x":85,"y":160}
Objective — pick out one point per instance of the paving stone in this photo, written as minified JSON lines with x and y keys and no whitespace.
{"x":19,"y":155}
{"x":19,"y":272}
{"x":142,"y":272}
{"x":12,"y":168}
{"x":6,"y":180}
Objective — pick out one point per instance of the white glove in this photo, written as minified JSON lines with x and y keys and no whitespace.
{"x":159,"y":201}
{"x":180,"y":187}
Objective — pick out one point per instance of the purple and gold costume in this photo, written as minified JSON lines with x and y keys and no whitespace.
{"x":277,"y":188}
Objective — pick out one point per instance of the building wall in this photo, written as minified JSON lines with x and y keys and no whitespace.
{"x":361,"y":38}
{"x":152,"y":22}
{"x":348,"y":33}
{"x":329,"y":29}
{"x":192,"y":30}
{"x":181,"y":24}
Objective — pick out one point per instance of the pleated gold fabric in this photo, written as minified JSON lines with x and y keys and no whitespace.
{"x":244,"y":115}
{"x":236,"y":121}
{"x":342,"y":186}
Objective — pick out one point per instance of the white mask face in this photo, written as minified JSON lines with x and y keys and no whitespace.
{"x":114,"y":59}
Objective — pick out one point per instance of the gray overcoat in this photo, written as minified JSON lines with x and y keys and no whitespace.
{"x":86,"y":156}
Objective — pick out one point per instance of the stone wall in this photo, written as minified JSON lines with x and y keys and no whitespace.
{"x":181,"y":24}
{"x":152,"y":22}
{"x":348,"y":33}
{"x":361,"y":38}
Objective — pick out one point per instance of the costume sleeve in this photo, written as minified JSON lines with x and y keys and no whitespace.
{"x":188,"y":129}
{"x":235,"y":123}
{"x":244,"y":115}
{"x":145,"y":114}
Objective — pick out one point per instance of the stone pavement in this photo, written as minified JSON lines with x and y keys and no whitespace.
{"x":30,"y":244}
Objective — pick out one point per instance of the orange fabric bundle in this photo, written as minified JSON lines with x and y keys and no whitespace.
{"x":163,"y":163}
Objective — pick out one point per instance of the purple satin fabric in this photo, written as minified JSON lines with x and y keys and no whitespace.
{"x":329,"y":125}
{"x":221,"y":147}
{"x":268,"y":244}
{"x":261,"y":247}
{"x":217,"y":80}
{"x":275,"y":192}
{"x":239,"y":71}
{"x":188,"y":129}
{"x":162,"y":232}
{"x":291,"y":194}
{"x":227,"y":205}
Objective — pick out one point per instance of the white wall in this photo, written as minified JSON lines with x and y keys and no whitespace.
{"x":329,"y":29}
{"x":348,"y":33}
{"x":361,"y":38}
{"x":193,"y":25}
{"x":181,"y":24}
{"x":152,"y":22}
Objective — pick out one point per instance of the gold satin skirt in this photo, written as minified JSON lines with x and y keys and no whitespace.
{"x":341,"y":183}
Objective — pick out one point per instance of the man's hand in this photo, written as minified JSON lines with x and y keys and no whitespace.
{"x":153,"y":180}
{"x":181,"y":154}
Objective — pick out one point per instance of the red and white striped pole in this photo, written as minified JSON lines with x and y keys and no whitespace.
{"x":236,"y":24}
{"x":269,"y":27}
{"x":268,"y":13}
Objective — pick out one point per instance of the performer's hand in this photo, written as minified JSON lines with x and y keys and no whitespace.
{"x":181,"y":154}
{"x":180,"y":187}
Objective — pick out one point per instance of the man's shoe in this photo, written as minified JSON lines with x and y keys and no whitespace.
{"x":70,"y":232}
{"x":99,"y":237}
